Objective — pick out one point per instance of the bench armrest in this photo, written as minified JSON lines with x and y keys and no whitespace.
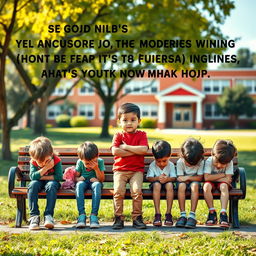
{"x":11,"y":178}
{"x":242,"y":175}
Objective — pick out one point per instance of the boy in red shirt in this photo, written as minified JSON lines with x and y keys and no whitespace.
{"x":129,"y":148}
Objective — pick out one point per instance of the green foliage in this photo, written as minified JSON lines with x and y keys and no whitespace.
{"x":236,"y":101}
{"x":49,"y":125}
{"x":148,"y":123}
{"x":78,"y":121}
{"x":63,"y":120}
{"x":222,"y":124}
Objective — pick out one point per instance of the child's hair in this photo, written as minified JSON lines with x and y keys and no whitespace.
{"x":40,"y":148}
{"x":87,"y":151}
{"x":224,"y":151}
{"x":128,"y":108}
{"x":161,"y":148}
{"x":192,"y":151}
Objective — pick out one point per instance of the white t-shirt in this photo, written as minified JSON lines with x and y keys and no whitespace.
{"x":155,"y":171}
{"x":211,"y":169}
{"x":184,"y":170}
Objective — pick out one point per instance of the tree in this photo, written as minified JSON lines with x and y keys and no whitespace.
{"x":235,"y":101}
{"x":247,"y":59}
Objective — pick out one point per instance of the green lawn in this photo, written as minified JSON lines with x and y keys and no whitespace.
{"x":128,"y":244}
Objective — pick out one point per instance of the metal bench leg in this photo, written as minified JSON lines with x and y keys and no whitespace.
{"x":20,"y":211}
{"x":234,"y":213}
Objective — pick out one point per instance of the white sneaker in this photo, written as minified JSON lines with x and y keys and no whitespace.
{"x":49,"y":222}
{"x":34,"y":222}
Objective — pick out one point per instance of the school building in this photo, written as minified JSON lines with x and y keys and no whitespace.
{"x":173,"y":102}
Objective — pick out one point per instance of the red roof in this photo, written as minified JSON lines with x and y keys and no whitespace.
{"x":180,"y":91}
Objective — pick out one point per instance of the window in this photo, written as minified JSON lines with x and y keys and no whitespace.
{"x":212,"y":111}
{"x":102,"y":112}
{"x":148,"y":110}
{"x":86,"y":110}
{"x":215,"y":86}
{"x":64,"y":85}
{"x":249,"y":84}
{"x":142,"y":87}
{"x":53,"y":111}
{"x":86,"y":89}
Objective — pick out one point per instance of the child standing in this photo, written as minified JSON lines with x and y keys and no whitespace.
{"x":218,"y":175}
{"x":161,"y":174}
{"x":129,"y":148}
{"x":90,"y":169}
{"x":190,"y":172}
{"x":45,"y":173}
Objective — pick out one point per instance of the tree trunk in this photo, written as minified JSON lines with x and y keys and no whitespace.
{"x":28,"y":117}
{"x":40,"y":116}
{"x":105,"y":124}
{"x":6,"y":148}
{"x":236,"y":121}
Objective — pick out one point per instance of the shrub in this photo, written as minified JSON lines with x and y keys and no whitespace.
{"x":78,"y":121}
{"x":63,"y":121}
{"x":148,"y":123}
{"x":221,"y":124}
{"x":49,"y":125}
{"x":252,"y":125}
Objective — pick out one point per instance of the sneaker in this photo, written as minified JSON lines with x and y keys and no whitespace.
{"x":157,"y":221}
{"x":191,"y":223}
{"x":34,"y":222}
{"x":212,"y":218}
{"x":224,"y":220}
{"x":138,"y":223}
{"x":168,"y":220}
{"x":119,"y":223}
{"x":48,"y":221}
{"x":181,"y":222}
{"x":94,"y":222}
{"x":81,"y":221}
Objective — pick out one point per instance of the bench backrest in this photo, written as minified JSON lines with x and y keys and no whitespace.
{"x":69,"y":158}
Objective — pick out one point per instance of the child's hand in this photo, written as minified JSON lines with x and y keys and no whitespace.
{"x":163,"y":178}
{"x":182,"y":178}
{"x":93,"y":180}
{"x":92,"y":164}
{"x":81,"y":178}
{"x":123,"y":146}
{"x":49,"y":165}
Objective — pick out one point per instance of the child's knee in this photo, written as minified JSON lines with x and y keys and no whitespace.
{"x":224,"y":187}
{"x":157,"y":186}
{"x":207,"y":187}
{"x":169,"y":186}
{"x":182,"y":187}
{"x":194,"y":186}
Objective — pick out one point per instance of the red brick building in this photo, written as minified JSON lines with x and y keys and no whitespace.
{"x":174,"y":102}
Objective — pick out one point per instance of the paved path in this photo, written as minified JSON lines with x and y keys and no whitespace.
{"x":106,"y":229}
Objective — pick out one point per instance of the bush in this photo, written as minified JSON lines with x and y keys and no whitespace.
{"x":222,"y":124}
{"x":79,"y":121}
{"x":148,"y":123}
{"x":49,"y":125}
{"x":252,"y":125}
{"x":63,"y":121}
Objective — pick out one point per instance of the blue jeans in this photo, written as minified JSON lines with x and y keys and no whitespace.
{"x":81,"y":187}
{"x":51,"y":188}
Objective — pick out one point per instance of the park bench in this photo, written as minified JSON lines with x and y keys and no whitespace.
{"x":20,"y":175}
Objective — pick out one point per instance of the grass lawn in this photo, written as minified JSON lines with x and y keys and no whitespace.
{"x":128,"y":244}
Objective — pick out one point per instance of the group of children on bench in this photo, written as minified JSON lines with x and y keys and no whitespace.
{"x":129,"y":148}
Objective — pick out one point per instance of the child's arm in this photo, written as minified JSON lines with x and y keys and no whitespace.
{"x":213,"y":177}
{"x":152,"y":179}
{"x":138,"y":150}
{"x":196,"y":178}
{"x":164,"y":179}
{"x":227,"y":179}
{"x":116,"y":151}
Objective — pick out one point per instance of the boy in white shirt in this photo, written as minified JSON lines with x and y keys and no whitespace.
{"x":161,"y":174}
{"x":190,"y":172}
{"x":218,"y":175}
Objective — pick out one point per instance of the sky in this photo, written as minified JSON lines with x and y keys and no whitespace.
{"x":241,"y":23}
